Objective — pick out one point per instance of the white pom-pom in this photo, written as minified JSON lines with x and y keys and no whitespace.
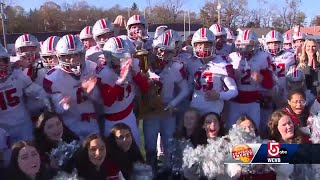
{"x":315,"y":129}
{"x":234,"y":170}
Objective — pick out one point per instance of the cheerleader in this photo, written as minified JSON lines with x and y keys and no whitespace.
{"x":123,"y":149}
{"x":25,"y":163}
{"x":49,"y":132}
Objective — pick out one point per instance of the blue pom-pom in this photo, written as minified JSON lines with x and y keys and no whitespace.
{"x":64,"y":152}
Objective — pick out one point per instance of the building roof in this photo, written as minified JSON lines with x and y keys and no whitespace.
{"x":259,"y":31}
{"x":313,"y":30}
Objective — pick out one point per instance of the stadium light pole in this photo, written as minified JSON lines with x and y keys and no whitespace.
{"x":3,"y":18}
{"x":219,"y":12}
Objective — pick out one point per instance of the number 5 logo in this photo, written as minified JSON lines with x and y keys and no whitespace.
{"x":273,"y":149}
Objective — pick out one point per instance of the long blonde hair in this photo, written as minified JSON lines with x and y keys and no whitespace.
{"x":303,"y":58}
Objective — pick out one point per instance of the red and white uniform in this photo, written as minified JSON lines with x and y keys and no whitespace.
{"x":249,"y":91}
{"x":280,"y":66}
{"x":118,"y":100}
{"x":216,"y":75}
{"x":15,"y":118}
{"x":81,"y":116}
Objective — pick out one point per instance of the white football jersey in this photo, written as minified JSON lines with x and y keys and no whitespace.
{"x":108,"y":78}
{"x":60,"y":84}
{"x":215,"y":75}
{"x":280,"y":66}
{"x":12,"y":105}
{"x":249,"y":90}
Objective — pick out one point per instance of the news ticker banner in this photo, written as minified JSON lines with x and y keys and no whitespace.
{"x":274,"y":153}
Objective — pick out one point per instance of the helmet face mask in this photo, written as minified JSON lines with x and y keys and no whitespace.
{"x":245,"y":50}
{"x":204,"y":49}
{"x":72,"y":63}
{"x":136,"y":30}
{"x":28,"y":54}
{"x":88,"y":42}
{"x":287,"y":45}
{"x":103,"y":38}
{"x":50,"y":61}
{"x":164,"y":54}
{"x":298,"y":43}
{"x":220,"y":41}
{"x":274,"y":47}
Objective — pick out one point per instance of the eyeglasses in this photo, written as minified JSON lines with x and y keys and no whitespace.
{"x":302,"y":102}
{"x":123,"y":137}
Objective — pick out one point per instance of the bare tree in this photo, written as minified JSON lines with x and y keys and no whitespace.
{"x":316,"y":21}
{"x":208,"y":14}
{"x":51,"y":15}
{"x":172,"y":8}
{"x":232,"y":12}
{"x":288,"y":13}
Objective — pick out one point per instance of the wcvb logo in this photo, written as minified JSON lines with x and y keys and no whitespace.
{"x":273,"y":149}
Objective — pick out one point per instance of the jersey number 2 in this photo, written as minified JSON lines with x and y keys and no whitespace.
{"x":8,"y":99}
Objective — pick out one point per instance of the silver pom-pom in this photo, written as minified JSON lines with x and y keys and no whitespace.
{"x":141,"y":171}
{"x":213,"y":157}
{"x":66,"y":176}
{"x":174,"y":157}
{"x":64,"y":152}
{"x":192,"y":158}
{"x":205,"y":160}
{"x":315,"y":128}
{"x":238,"y":135}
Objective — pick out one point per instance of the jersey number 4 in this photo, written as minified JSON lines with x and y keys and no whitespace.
{"x":279,"y":69}
{"x":125,"y":93}
{"x":207,"y":77}
{"x":7,"y":98}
